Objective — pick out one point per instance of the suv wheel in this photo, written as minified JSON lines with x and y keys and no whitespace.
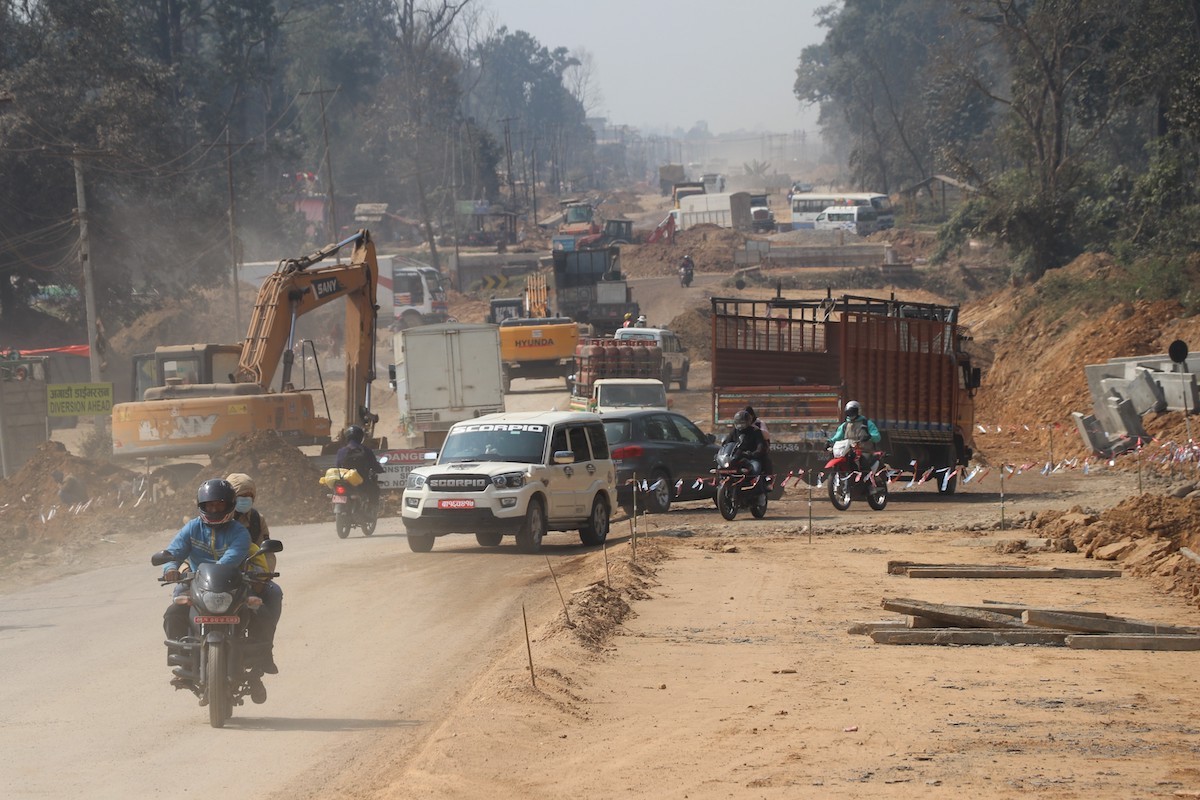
{"x":596,"y":531}
{"x":533,"y":530}
{"x":683,"y":380}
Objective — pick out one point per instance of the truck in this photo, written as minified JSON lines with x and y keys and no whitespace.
{"x":762,"y":218}
{"x":533,"y":343}
{"x":443,"y":374}
{"x":202,"y":399}
{"x":799,"y":361}
{"x":590,"y":289}
{"x":635,"y":366}
{"x":668,"y":176}
{"x":728,"y":210}
{"x":683,"y":189}
{"x":418,"y":293}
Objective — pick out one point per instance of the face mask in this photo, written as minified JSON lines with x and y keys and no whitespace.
{"x":244,"y":504}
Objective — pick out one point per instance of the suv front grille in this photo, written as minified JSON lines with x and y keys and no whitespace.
{"x":459,"y":483}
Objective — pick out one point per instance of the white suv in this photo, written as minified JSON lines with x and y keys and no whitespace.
{"x":675,"y":358}
{"x":517,"y":474}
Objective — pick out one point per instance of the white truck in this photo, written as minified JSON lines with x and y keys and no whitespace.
{"x":623,"y":394}
{"x":727,"y":210}
{"x":444,"y":374}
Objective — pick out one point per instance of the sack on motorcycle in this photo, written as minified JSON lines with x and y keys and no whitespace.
{"x":335,"y":474}
{"x":842,"y":448}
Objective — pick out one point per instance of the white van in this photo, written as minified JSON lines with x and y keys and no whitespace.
{"x":856,"y":219}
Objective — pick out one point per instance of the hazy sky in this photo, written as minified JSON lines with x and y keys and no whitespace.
{"x":666,"y":64}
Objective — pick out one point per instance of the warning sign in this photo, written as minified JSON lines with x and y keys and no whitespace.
{"x":399,"y":464}
{"x":79,"y":399}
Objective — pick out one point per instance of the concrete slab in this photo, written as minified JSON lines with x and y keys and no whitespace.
{"x":1179,"y":391}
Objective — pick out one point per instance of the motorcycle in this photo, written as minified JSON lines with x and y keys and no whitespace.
{"x":351,"y":507}
{"x":685,"y":277}
{"x":848,"y":481}
{"x":216,"y":660}
{"x":737,"y":486}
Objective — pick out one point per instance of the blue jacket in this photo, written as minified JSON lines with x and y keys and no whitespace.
{"x":201,"y":543}
{"x":853,"y":429}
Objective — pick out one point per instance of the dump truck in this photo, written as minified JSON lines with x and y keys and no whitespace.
{"x":728,"y":210}
{"x":202,"y":399}
{"x":444,"y":374}
{"x":668,"y":176}
{"x":590,"y":289}
{"x":799,"y":361}
{"x":633,"y":365}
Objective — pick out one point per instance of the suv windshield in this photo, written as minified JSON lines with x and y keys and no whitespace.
{"x":523,"y":444}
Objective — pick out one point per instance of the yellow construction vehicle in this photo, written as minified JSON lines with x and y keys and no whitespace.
{"x":534,"y":344}
{"x":174,"y":414}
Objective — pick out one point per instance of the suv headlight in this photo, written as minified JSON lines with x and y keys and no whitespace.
{"x":509,"y":480}
{"x":414,"y":481}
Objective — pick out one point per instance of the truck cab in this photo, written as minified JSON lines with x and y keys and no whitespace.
{"x":676,"y":363}
{"x":184,"y":365}
{"x":762,"y":218}
{"x":623,"y":394}
{"x":419,"y":293}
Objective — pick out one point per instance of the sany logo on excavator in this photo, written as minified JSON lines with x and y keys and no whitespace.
{"x":326,"y":286}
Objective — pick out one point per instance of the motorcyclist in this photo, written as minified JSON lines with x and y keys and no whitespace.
{"x":262,"y":625}
{"x":750,"y":442}
{"x":628,"y":323}
{"x":212,"y":537}
{"x":687,"y":270}
{"x":357,"y":456}
{"x":641,"y":322}
{"x":757,"y":422}
{"x":857,"y":428}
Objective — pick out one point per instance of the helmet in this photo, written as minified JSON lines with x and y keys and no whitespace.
{"x":628,"y":315}
{"x":217,"y":489}
{"x":642,"y":318}
{"x":241,"y":483}
{"x":741,"y":420}
{"x":355,"y":434}
{"x":852,"y":409}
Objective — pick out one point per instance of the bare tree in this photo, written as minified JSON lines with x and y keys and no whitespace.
{"x":580,"y":80}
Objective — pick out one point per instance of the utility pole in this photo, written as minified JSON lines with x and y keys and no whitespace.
{"x":508,"y":159}
{"x":333,"y":227}
{"x":89,"y":290}
{"x":233,"y":248}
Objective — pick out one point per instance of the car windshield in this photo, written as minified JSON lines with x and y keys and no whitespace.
{"x":618,"y":396}
{"x":520,"y":443}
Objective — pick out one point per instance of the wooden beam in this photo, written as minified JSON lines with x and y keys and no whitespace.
{"x":867,"y":628}
{"x":1018,"y":610}
{"x":902,"y":567}
{"x":1133,"y":641}
{"x":957,"y":616}
{"x":1009,"y":572}
{"x":1076,"y":622}
{"x":963,"y":636}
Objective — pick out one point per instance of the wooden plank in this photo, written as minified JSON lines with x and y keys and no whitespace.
{"x":974,"y":636}
{"x":1133,"y":641}
{"x":1076,"y":622}
{"x":1010,"y":572}
{"x":867,"y":628}
{"x":957,"y":616}
{"x":902,"y":567}
{"x":1017,"y":610}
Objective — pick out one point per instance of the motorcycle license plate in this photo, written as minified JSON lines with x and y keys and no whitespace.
{"x":224,"y":620}
{"x":339,"y":498}
{"x":456,"y":503}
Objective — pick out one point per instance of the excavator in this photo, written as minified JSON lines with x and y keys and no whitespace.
{"x":182,"y":407}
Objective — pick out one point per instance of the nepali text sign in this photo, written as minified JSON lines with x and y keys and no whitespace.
{"x":79,"y":399}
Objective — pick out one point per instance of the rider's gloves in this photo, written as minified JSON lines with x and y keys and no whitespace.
{"x":171,"y":575}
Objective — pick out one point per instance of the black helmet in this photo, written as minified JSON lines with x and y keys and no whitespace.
{"x":219,"y":490}
{"x":355,"y":434}
{"x":741,"y":420}
{"x":852,"y":409}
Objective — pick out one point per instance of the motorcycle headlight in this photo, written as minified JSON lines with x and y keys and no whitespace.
{"x":414,"y":481}
{"x":509,"y":480}
{"x":216,"y":602}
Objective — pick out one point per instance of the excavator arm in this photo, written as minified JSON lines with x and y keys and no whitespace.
{"x":297,"y":287}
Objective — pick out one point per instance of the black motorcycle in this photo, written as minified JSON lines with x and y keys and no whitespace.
{"x":352,"y":508}
{"x":685,"y":277}
{"x":737,"y":485}
{"x":216,"y":660}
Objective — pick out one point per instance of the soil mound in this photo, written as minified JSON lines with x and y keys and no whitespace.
{"x":286,"y":480}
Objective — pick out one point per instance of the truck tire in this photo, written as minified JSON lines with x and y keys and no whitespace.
{"x":596,"y":530}
{"x":533,"y":530}
{"x":683,"y":381}
{"x":666,"y":377}
{"x":410,"y":319}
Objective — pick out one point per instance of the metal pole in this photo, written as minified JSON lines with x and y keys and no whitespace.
{"x":233,"y":256}
{"x":89,"y":290}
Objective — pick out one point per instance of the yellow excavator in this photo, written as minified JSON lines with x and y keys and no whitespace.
{"x":181,"y":406}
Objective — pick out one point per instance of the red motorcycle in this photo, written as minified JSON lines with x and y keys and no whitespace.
{"x":848,"y":480}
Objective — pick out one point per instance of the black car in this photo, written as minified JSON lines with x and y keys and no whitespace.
{"x":666,"y":452}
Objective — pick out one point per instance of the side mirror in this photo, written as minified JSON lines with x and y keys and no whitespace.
{"x":270,"y":546}
{"x":161,"y":557}
{"x":383,"y":459}
{"x":711,"y":438}
{"x":976,"y":378}
{"x":563,"y":457}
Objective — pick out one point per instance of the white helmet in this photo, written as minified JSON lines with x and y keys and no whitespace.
{"x":853,"y":409}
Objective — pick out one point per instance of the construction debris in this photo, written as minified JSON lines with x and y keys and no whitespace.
{"x":914,"y":570}
{"x":992,"y":624}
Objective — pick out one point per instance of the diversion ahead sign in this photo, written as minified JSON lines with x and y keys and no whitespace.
{"x":79,"y":399}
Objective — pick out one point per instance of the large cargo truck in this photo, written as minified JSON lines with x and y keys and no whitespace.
{"x":798,"y":362}
{"x":589,"y":288}
{"x":444,"y":374}
{"x":727,"y":210}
